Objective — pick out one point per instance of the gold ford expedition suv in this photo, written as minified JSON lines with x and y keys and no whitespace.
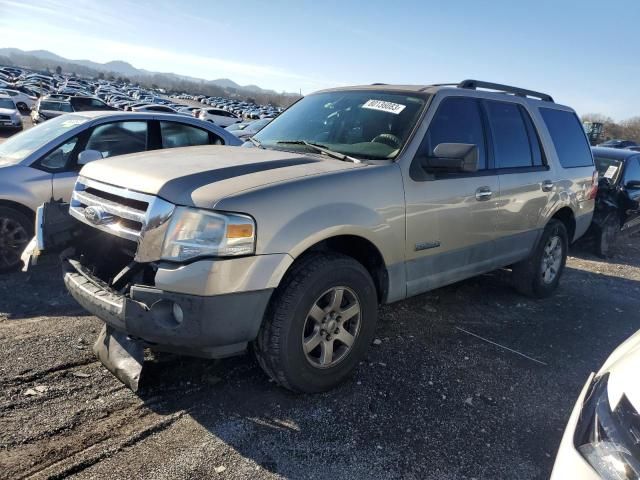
{"x":353,"y":197}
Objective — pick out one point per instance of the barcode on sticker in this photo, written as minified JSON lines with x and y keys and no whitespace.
{"x":383,"y":106}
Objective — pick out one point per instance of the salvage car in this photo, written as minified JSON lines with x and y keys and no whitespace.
{"x":49,"y":107}
{"x":9,"y":114}
{"x":352,"y":197}
{"x":617,"y":208}
{"x":218,"y":116}
{"x":43,"y":162}
{"x":602,"y":438}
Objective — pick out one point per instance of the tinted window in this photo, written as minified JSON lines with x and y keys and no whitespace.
{"x":457,"y":120}
{"x":57,"y":159}
{"x":118,"y":138}
{"x":181,"y":135}
{"x":568,"y":138}
{"x":632,"y":170}
{"x":510,"y":139}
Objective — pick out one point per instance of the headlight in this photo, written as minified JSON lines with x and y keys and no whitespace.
{"x":609,"y":439}
{"x":197,"y":233}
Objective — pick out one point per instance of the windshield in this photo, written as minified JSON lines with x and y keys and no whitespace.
{"x":608,"y":167}
{"x":19,"y":146}
{"x":256,"y":125}
{"x":7,"y":103}
{"x":56,"y":106}
{"x":361,"y":124}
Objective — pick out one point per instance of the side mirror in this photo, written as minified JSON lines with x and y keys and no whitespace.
{"x":88,"y":156}
{"x":632,"y":184}
{"x":453,"y":157}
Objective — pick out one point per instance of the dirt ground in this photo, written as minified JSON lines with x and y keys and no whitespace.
{"x":430,"y":402}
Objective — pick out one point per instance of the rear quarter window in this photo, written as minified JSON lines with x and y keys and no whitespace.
{"x":568,"y":138}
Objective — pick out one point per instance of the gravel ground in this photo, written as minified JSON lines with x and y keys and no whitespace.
{"x":429,"y":402}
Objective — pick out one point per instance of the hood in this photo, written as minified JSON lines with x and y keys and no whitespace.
{"x":201,"y":176}
{"x":7,"y":111}
{"x":623,"y":366}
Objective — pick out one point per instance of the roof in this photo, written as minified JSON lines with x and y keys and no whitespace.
{"x":613,"y":153}
{"x":491,"y":89}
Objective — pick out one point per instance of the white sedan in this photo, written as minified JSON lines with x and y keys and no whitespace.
{"x":602,"y":438}
{"x":218,"y":116}
{"x":23,"y":101}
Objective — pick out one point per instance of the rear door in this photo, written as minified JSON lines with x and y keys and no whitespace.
{"x":524,"y":177}
{"x":451,"y":218}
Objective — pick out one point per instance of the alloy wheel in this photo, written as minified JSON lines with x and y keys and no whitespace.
{"x":331,"y":327}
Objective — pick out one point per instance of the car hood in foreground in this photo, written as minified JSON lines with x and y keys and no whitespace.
{"x":623,"y":366}
{"x":201,"y":176}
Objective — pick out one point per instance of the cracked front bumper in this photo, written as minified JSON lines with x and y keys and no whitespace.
{"x":213,"y":326}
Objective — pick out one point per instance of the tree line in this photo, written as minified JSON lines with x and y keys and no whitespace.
{"x":628,"y":129}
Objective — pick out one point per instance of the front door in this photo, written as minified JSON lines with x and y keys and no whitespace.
{"x":451,"y":218}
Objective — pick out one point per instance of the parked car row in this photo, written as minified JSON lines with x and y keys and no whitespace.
{"x":50,"y":95}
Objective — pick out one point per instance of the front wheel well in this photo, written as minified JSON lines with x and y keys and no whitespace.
{"x":361,"y":250}
{"x":566,"y":216}
{"x":19,"y":207}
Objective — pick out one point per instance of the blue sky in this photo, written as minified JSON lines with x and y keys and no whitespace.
{"x":584,"y":53}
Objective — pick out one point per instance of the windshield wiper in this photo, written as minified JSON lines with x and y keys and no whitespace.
{"x":322,"y":149}
{"x":255,"y":142}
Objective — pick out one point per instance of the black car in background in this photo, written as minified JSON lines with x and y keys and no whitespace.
{"x":618,"y":202}
{"x":617,"y":143}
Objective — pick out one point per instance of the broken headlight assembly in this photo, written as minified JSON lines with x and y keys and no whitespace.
{"x":609,"y":439}
{"x":194,"y":233}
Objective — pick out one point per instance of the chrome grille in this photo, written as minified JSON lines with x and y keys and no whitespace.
{"x":124,"y":213}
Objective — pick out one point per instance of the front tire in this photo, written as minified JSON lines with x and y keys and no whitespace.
{"x":319,"y":323}
{"x":539,"y":275}
{"x":16,"y":229}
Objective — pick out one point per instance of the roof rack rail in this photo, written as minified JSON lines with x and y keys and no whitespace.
{"x":378,"y":83}
{"x":520,"y":92}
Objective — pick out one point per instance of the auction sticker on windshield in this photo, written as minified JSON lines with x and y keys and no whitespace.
{"x":383,"y":106}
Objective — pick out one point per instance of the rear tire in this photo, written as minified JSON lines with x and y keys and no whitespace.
{"x":303,"y":344}
{"x":16,"y":229}
{"x":606,"y":237}
{"x":539,"y":275}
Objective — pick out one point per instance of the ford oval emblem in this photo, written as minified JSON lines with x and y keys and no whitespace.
{"x":97,"y":215}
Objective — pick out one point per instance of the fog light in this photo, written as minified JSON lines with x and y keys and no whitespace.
{"x":167,"y":314}
{"x":177,"y":313}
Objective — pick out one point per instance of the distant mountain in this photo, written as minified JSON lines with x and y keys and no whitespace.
{"x":122,"y":68}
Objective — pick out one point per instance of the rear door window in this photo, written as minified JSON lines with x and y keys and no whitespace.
{"x":176,"y":134}
{"x":568,"y":138}
{"x":511,"y":145}
{"x":118,"y":138}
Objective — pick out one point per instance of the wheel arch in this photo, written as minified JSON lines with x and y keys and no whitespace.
{"x":19,"y":207}
{"x":362,"y":250}
{"x":567,"y":217}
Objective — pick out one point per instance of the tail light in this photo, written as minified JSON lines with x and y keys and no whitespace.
{"x":593,"y":191}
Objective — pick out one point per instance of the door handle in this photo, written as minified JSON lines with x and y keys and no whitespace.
{"x":483,"y":193}
{"x":546,"y":185}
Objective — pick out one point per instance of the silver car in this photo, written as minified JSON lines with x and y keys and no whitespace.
{"x":43,"y":163}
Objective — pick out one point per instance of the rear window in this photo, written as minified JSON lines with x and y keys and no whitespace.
{"x":568,"y":138}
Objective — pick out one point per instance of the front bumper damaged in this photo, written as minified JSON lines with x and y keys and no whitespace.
{"x":218,"y":321}
{"x":206,"y":326}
